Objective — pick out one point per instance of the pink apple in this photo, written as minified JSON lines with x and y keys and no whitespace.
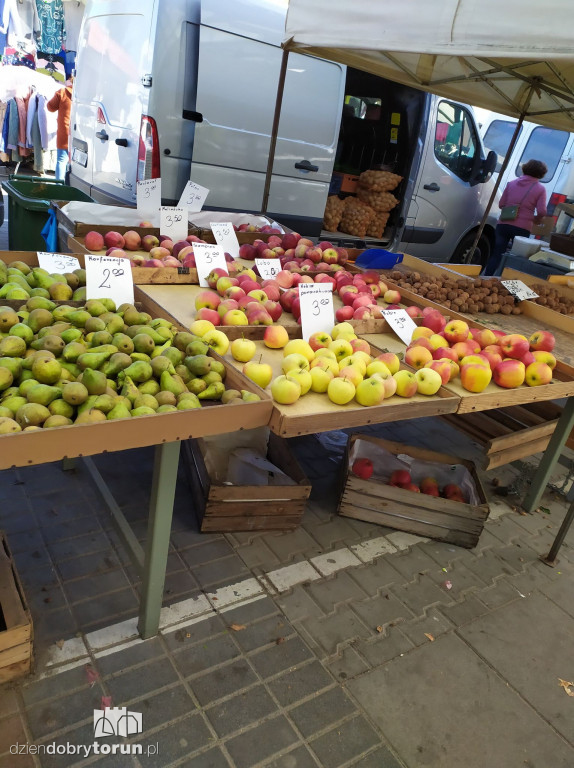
{"x":274,"y":308}
{"x":208,"y":299}
{"x":208,"y":314}
{"x":284,"y":278}
{"x":342,"y":314}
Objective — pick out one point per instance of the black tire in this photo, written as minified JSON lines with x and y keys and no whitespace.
{"x":481,"y":252}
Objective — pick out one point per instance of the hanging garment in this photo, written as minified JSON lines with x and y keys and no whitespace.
{"x":48,"y":122}
{"x":24,"y":25}
{"x":73,"y":14}
{"x":3,"y":107}
{"x":30,"y":117}
{"x":51,"y":64}
{"x":52,"y":25}
{"x":12,"y":143}
{"x":22,"y":105}
{"x":5,"y":125}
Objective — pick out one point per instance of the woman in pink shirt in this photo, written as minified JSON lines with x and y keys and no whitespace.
{"x":529,"y":195}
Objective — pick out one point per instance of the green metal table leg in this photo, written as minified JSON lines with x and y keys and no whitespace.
{"x":158,"y":533}
{"x":551,"y":455}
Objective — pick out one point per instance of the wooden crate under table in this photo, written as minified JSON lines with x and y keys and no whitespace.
{"x":375,"y":502}
{"x":15,"y":621}
{"x":228,"y":508}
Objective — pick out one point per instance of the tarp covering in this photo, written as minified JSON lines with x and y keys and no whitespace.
{"x":487,"y":53}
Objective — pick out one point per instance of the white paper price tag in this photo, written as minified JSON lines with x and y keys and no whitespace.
{"x":519,"y":289}
{"x":173,"y":222}
{"x":148,"y":196}
{"x":401,"y":323}
{"x":57,"y":262}
{"x":193,"y":197}
{"x":269,"y":268}
{"x":207,"y":257}
{"x":225,"y":237}
{"x":109,"y":278}
{"x":317,"y":313}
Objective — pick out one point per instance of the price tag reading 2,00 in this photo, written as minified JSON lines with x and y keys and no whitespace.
{"x":109,"y":278}
{"x":401,"y":323}
{"x":268,"y":268}
{"x":317,"y":313}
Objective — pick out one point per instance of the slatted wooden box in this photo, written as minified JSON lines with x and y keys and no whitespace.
{"x":15,"y":621}
{"x":229,"y":508}
{"x":435,"y":518}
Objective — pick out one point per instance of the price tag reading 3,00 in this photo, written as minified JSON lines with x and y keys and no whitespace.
{"x":59,"y":263}
{"x":207,"y":257}
{"x":519,"y":289}
{"x":148,"y":196}
{"x":109,"y":278}
{"x":401,"y":323}
{"x":193,"y":197}
{"x":317,"y":313}
{"x":225,"y":237}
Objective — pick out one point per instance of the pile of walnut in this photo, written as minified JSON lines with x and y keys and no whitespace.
{"x":460,"y":294}
{"x":549,"y":297}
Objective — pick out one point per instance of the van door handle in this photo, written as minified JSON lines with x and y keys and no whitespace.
{"x":122,"y":142}
{"x":102,"y":135}
{"x":305,"y":165}
{"x":434,"y":187}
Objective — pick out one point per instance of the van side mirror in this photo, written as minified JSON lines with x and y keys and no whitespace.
{"x":485,"y":169}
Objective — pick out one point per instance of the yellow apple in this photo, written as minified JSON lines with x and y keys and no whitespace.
{"x":348,"y":336}
{"x":275,"y":336}
{"x":370,"y":392}
{"x":303,"y":378}
{"x":199,"y":327}
{"x":352,"y":373}
{"x":326,"y":364}
{"x":285,"y":390}
{"x":325,"y":352}
{"x":351,"y":360}
{"x":390,"y":360}
{"x":293,"y":361}
{"x":243,"y":350}
{"x":341,"y":348}
{"x":422,"y":332}
{"x":406,"y":383}
{"x":299,"y":347}
{"x":341,"y":391}
{"x":377,"y":366}
{"x":320,"y":378}
{"x":341,"y":328}
{"x":436,"y":341}
{"x":428,"y":381}
{"x":260,"y":373}
{"x":217,"y":340}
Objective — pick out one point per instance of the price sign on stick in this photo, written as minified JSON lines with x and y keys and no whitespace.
{"x":317,"y":313}
{"x":269,"y":268}
{"x":193,"y":197}
{"x":207,"y":257}
{"x":519,"y":289}
{"x":109,"y":278}
{"x":173,"y":222}
{"x":148,"y":196}
{"x":225,"y":237}
{"x":401,"y":323}
{"x":58,"y":262}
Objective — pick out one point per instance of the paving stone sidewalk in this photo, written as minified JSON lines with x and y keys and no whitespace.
{"x":429,"y":655}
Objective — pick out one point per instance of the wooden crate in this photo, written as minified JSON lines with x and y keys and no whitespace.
{"x":15,"y":620}
{"x":509,"y":434}
{"x":442,"y":519}
{"x":228,"y":508}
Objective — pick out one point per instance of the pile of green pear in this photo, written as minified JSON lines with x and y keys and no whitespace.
{"x":63,"y":365}
{"x":19,"y":281}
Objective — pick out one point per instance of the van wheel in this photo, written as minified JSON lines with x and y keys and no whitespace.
{"x":481,"y":252}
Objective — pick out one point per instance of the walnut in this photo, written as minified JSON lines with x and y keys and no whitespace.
{"x":517,"y":310}
{"x":506,"y":309}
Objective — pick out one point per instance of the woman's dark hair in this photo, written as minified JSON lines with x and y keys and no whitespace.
{"x":535,"y":168}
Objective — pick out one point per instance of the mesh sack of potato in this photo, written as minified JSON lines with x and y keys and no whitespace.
{"x":333,"y":212}
{"x":380,"y":181}
{"x":378,"y":201}
{"x":356,"y":217}
{"x":377,"y":224}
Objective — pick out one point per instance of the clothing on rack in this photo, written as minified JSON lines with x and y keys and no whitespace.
{"x":52,"y":25}
{"x":13,"y":126}
{"x":24,"y":26}
{"x":52,"y":64}
{"x":73,"y":14}
{"x":22,"y":106}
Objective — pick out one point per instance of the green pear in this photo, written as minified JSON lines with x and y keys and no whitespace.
{"x":119,"y":411}
{"x":79,"y":294}
{"x":167,"y":409}
{"x":60,"y":291}
{"x":18,"y":278}
{"x":58,"y":277}
{"x":61,"y":312}
{"x":143,"y":343}
{"x":8,"y":319}
{"x":72,"y":368}
{"x":148,"y":400}
{"x":218,"y":367}
{"x":109,"y":304}
{"x":114,"y":324}
{"x":46,"y":370}
{"x":72,"y":334}
{"x":57,"y":421}
{"x":187,"y":401}
{"x":230,"y":394}
{"x":81,"y":275}
{"x":94,"y":381}
{"x":182,"y":371}
{"x":161,"y":364}
{"x":39,"y":318}
{"x":105,"y":403}
{"x":87,"y":404}
{"x":165,"y":333}
{"x":91,"y":360}
{"x":57,"y":329}
{"x":133,"y":317}
{"x":197,"y":347}
{"x":78,"y":317}
{"x":39,"y":292}
{"x":140,"y":357}
{"x":5,"y":413}
{"x":43,"y":394}
{"x":60,"y":407}
{"x":16,"y":294}
{"x":159,"y":336}
{"x":21,"y":266}
{"x":43,"y":279}
{"x":166,"y":398}
{"x":150,"y":387}
{"x":213,"y":392}
{"x":175,"y":355}
{"x":139,"y":372}
{"x":117,"y":362}
{"x":94,"y":324}
{"x":25,"y":386}
{"x":143,"y":410}
{"x":90,"y":416}
{"x":123,"y":343}
{"x":72,"y":280}
{"x":106,"y":349}
{"x":112,"y":386}
{"x":12,"y":346}
{"x":130,"y":390}
{"x":95,"y":307}
{"x":6,"y":379}
{"x":32,"y":415}
{"x":249,"y":397}
{"x":8,"y":425}
{"x":50,"y":342}
{"x":72,"y":351}
{"x":31,"y":280}
{"x":172,"y":383}
{"x":196,"y":386}
{"x":13,"y":364}
{"x":211,"y":378}
{"x":75,"y":393}
{"x":26,"y":374}
{"x":159,"y":350}
{"x":14,"y":402}
{"x":198,"y":365}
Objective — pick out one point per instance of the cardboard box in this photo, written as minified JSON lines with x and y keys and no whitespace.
{"x":229,"y":508}
{"x":16,"y":635}
{"x":436,"y":518}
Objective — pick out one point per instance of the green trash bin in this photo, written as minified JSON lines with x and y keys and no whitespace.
{"x":28,"y":208}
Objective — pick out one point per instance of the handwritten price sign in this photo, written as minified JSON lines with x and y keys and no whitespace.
{"x":317,"y":313}
{"x":225,"y":237}
{"x":207,"y":257}
{"x":193,"y":197}
{"x":109,"y":278}
{"x":268,"y":268}
{"x":519,"y":289}
{"x":401,"y":323}
{"x":57,"y":262}
{"x":148,"y":196}
{"x":173,"y":222}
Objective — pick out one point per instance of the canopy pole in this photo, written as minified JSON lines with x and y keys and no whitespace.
{"x":274,"y":130}
{"x":509,"y":151}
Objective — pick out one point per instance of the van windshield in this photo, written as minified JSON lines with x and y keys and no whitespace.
{"x":544,"y":144}
{"x":497,"y":138}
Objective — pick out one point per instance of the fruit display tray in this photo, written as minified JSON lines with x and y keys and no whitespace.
{"x":493,"y":396}
{"x":314,"y":412}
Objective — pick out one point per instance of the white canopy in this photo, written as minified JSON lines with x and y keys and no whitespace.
{"x":495,"y":54}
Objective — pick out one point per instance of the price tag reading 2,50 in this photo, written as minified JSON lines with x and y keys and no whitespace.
{"x":173,"y":222}
{"x":109,"y":278}
{"x":317,"y":313}
{"x":519,"y":289}
{"x":207,"y":257}
{"x":268,"y":268}
{"x":401,"y":323}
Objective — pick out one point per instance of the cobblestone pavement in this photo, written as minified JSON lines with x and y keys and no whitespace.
{"x":339,"y":645}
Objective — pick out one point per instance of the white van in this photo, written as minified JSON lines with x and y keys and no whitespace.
{"x":186,"y":89}
{"x":535,"y":142}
